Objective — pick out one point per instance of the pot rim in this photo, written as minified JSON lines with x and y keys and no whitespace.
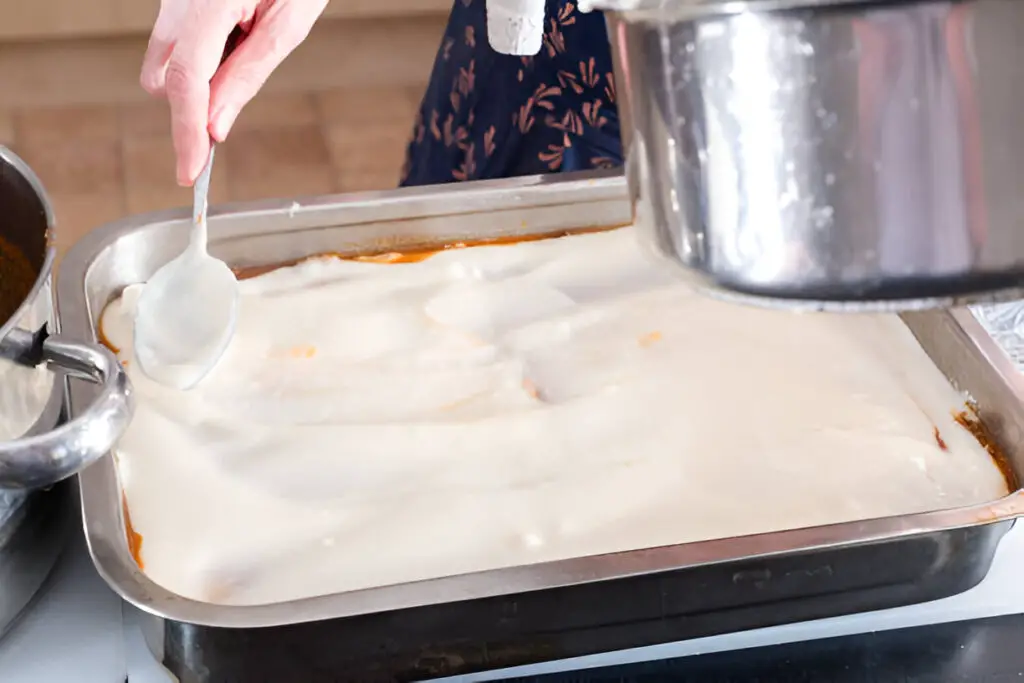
{"x":46,"y":270}
{"x":648,"y":10}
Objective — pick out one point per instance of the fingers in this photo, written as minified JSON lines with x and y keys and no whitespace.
{"x":275,"y":34}
{"x":161,"y":44}
{"x":196,"y":55}
{"x":185,"y":51}
{"x":154,"y":64}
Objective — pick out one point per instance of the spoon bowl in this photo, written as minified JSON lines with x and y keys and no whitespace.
{"x":188,"y":310}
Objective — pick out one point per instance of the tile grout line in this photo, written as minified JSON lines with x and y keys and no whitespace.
{"x":122,"y":144}
{"x":325,"y":134}
{"x":16,"y":131}
{"x":320,"y":116}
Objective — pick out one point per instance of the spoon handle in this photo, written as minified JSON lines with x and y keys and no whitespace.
{"x":200,"y":190}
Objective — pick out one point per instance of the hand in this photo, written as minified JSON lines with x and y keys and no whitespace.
{"x":183,"y":63}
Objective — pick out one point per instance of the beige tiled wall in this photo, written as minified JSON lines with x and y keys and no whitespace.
{"x":335,"y":118}
{"x":47,"y":19}
{"x":337,"y":53}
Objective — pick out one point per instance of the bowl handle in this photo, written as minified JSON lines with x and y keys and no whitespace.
{"x":44,"y":459}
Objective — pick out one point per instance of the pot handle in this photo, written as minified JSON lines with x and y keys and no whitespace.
{"x":44,"y":459}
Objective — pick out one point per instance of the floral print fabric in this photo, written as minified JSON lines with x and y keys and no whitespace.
{"x":488,"y":115}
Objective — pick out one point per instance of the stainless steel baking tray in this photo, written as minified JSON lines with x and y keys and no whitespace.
{"x":524,"y":614}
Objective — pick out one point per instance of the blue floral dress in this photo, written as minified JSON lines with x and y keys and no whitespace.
{"x":488,"y":115}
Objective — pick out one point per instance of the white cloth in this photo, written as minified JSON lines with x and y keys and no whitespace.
{"x":515,"y":27}
{"x":606,"y":5}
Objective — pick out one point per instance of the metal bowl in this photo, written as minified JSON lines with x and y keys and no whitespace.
{"x":832,"y":155}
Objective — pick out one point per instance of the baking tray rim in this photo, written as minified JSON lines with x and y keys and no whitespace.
{"x":101,"y":495}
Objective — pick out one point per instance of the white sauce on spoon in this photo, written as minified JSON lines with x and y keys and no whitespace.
{"x":495,"y":406}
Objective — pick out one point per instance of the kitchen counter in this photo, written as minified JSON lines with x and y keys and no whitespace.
{"x":979,"y":651}
{"x":71,"y":632}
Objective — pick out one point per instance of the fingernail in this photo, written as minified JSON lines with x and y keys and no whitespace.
{"x":222,"y":122}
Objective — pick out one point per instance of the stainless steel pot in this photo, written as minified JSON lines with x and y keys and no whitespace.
{"x":830,"y":154}
{"x":35,"y":449}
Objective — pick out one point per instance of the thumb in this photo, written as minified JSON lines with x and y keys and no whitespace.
{"x":274,"y":35}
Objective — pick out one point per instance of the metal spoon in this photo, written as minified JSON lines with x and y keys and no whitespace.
{"x":187,"y":311}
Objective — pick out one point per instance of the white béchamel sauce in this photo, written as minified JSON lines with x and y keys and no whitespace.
{"x":496,"y":406}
